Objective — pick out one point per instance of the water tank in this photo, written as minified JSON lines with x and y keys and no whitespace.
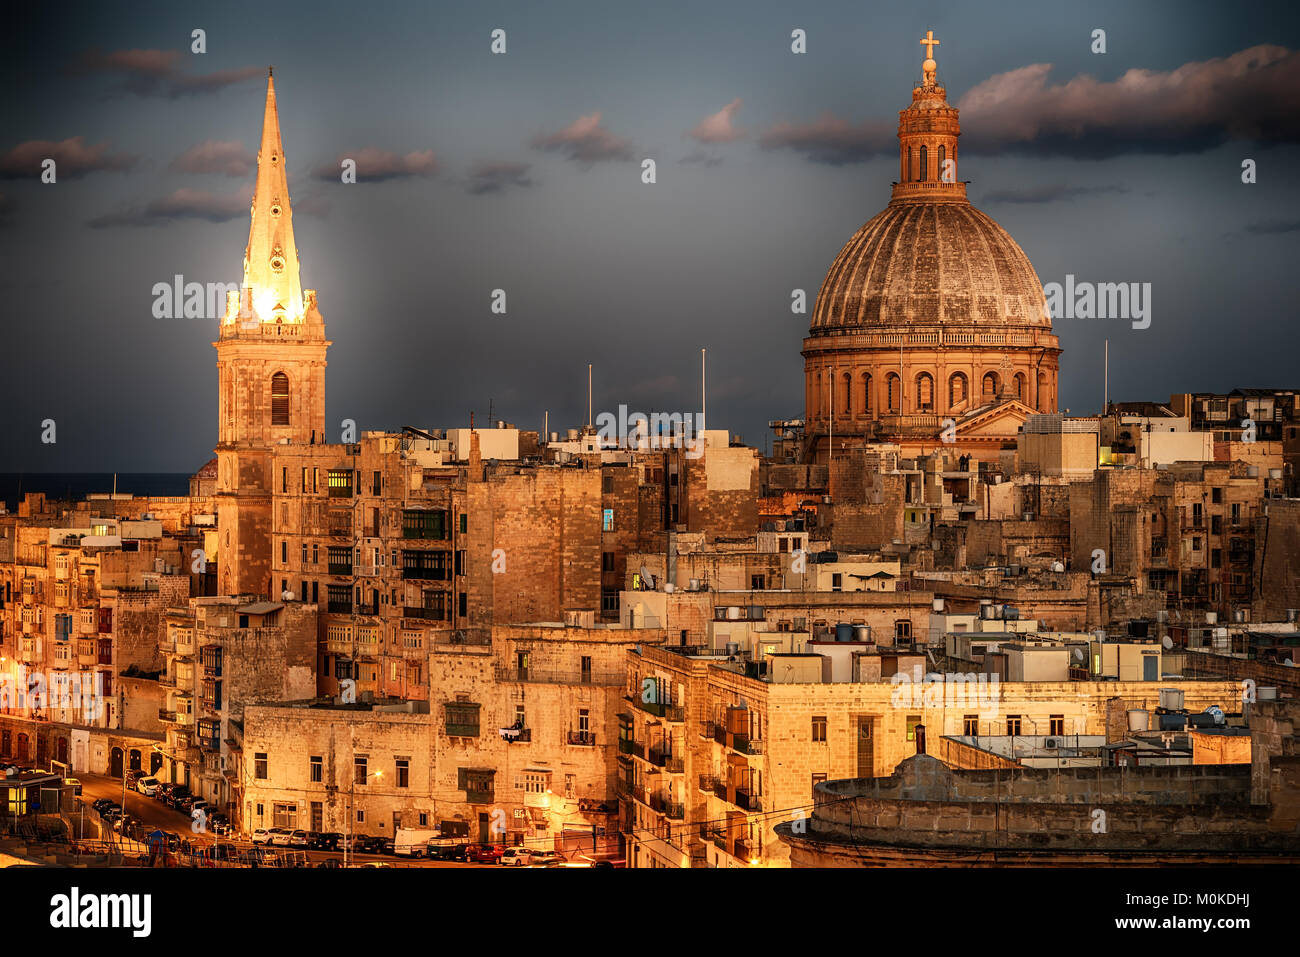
{"x":669,"y":587}
{"x":695,"y":584}
{"x":843,"y":631}
{"x":1138,"y":628}
{"x":1058,"y":567}
{"x":1266,"y":694}
{"x":733,"y":612}
{"x":986,"y":609}
{"x":1010,"y":614}
{"x":862,"y":633}
{"x":1138,"y":720}
{"x":1211,"y":617}
{"x":937,"y":605}
{"x":733,"y":648}
{"x":1275,"y":474}
{"x":1171,"y":699}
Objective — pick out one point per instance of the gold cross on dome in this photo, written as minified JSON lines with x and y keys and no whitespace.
{"x":929,"y":42}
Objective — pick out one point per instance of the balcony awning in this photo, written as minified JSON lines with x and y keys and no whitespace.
{"x":260,"y":608}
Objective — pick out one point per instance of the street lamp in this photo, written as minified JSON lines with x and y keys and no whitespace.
{"x":352,"y":789}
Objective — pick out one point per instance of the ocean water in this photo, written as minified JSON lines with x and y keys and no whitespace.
{"x":77,"y":485}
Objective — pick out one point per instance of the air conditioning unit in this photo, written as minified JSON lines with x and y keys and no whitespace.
{"x":1052,"y":743}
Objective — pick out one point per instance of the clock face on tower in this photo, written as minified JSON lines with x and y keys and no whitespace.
{"x":277,"y":264}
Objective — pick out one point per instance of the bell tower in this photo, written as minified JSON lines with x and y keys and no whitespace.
{"x":270,"y":371}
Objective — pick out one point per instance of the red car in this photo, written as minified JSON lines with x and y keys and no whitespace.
{"x":485,"y":853}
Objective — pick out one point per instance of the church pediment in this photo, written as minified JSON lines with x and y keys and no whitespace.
{"x":1003,"y":420}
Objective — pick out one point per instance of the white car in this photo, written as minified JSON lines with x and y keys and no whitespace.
{"x":147,"y":786}
{"x":516,"y":857}
{"x":261,"y":836}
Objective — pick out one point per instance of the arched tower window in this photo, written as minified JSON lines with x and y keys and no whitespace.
{"x":925,"y":174}
{"x":891,"y":392}
{"x":956,"y":389}
{"x":943,"y":156}
{"x":848,"y":393}
{"x":924,"y":393}
{"x":911,"y":165}
{"x":1020,"y":386}
{"x":866,"y":393}
{"x":990,"y":387}
{"x":279,"y":399}
{"x":1043,"y":404}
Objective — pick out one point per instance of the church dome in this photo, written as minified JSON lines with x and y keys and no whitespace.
{"x":923,"y":263}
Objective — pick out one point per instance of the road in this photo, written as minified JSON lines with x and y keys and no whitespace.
{"x":152,"y":813}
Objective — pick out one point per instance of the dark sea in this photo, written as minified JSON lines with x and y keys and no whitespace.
{"x":77,"y":485}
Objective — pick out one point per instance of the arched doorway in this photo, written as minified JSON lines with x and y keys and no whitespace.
{"x":21,"y":748}
{"x":62,"y":750}
{"x":155,"y":762}
{"x":115,"y":763}
{"x":135,"y":759}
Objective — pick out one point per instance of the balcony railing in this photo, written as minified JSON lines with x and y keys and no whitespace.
{"x":586,"y":738}
{"x":745,"y":849}
{"x":624,"y":746}
{"x":462,"y":730}
{"x":540,"y":676}
{"x":341,"y":569}
{"x":424,"y":614}
{"x":748,"y":801}
{"x":669,"y":712}
{"x":746,"y":745}
{"x":707,"y":783}
{"x":480,"y":797}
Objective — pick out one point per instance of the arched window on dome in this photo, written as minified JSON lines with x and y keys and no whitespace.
{"x":943,"y":156}
{"x":848,"y":393}
{"x":911,"y":165}
{"x":866,"y":393}
{"x":957,"y":390}
{"x":990,"y":386}
{"x":279,"y":399}
{"x":891,"y":392}
{"x":1043,"y":404}
{"x":925,"y":173}
{"x":924,"y":393}
{"x":1020,"y":386}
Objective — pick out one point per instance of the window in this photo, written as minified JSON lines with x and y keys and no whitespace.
{"x":866,"y":393}
{"x":1013,"y":724}
{"x":284,"y":815}
{"x":990,"y":385}
{"x":403,"y":772}
{"x":837,"y":581}
{"x":317,"y":769}
{"x":259,"y":765}
{"x":1216,"y":495}
{"x":912,"y":721}
{"x":608,"y":524}
{"x":279,"y":399}
{"x":1056,"y":724}
{"x":606,"y":561}
{"x":819,"y":727}
{"x":284,"y":479}
{"x":464,"y":523}
{"x":924,"y":392}
{"x":891,"y":392}
{"x":956,"y":390}
{"x":757,"y":582}
{"x":607,"y":483}
{"x":609,"y":601}
{"x":819,"y":777}
{"x":284,"y":553}
{"x":903,"y":630}
{"x":970,"y":725}
{"x":925,"y":173}
{"x":359,"y":769}
{"x":586,"y":669}
{"x":584,"y":720}
{"x":304,"y":553}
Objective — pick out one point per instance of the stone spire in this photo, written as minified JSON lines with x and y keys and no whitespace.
{"x":272,"y":288}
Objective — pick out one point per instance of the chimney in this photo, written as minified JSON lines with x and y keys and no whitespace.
{"x":475,"y":458}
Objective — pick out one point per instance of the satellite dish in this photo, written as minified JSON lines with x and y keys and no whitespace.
{"x":1167,"y":642}
{"x":1078,"y":654}
{"x":286,"y":595}
{"x":647,"y":579}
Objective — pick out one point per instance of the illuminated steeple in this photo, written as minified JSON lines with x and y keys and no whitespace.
{"x":273,"y":290}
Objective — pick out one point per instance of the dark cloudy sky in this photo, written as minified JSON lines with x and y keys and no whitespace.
{"x":522,"y":172}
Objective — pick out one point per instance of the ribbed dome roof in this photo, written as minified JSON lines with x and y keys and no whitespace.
{"x":922,"y":263}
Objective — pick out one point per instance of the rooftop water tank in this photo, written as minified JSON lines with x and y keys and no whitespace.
{"x":843,"y":632}
{"x":1171,"y":699}
{"x":1138,"y":720}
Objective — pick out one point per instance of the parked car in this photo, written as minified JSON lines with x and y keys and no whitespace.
{"x":366,"y":844}
{"x":218,"y":823}
{"x":176,"y":796}
{"x":516,"y":857}
{"x":279,"y":836}
{"x":258,"y":857}
{"x":148,"y":786}
{"x":485,"y":853}
{"x":386,"y":846}
{"x":224,"y":852}
{"x":330,"y":862}
{"x":123,"y":823}
{"x":447,"y":852}
{"x":325,"y":841}
{"x":164,"y":789}
{"x":547,"y":859}
{"x":101,"y":804}
{"x":297,"y":839}
{"x":187,"y":802}
{"x":261,"y":836}
{"x":72,"y":784}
